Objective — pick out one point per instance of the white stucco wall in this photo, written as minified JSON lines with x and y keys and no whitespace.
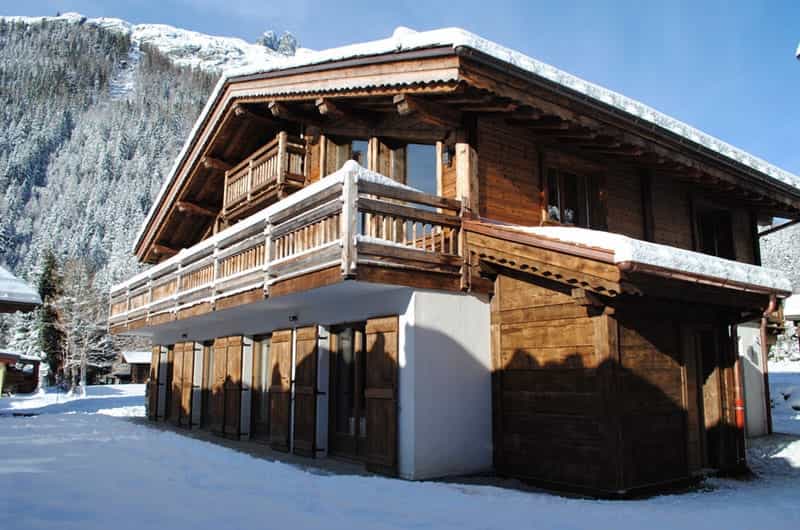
{"x":445,"y":386}
{"x":753,"y":379}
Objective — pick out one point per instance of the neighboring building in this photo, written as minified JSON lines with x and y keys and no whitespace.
{"x":16,"y":295}
{"x":133,"y":367}
{"x":19,"y":374}
{"x":558,"y":303}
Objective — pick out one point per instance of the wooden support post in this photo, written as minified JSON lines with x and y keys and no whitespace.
{"x":348,"y":229}
{"x":467,"y":175}
{"x":283,"y":159}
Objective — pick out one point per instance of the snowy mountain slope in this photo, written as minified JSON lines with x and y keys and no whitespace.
{"x":183,"y":47}
{"x":92,"y":115}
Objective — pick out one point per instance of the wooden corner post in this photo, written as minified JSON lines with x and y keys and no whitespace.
{"x":349,"y":225}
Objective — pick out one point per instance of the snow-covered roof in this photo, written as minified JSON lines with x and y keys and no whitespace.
{"x":137,"y":357}
{"x":634,"y":251}
{"x":404,"y":39}
{"x":14,"y":291}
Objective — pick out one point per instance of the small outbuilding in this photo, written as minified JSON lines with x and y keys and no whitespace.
{"x":19,"y":374}
{"x":134,"y":367}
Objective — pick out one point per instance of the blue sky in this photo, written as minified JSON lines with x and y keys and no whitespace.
{"x":727,"y":68}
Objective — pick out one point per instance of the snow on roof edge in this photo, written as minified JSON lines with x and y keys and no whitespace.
{"x":15,"y":291}
{"x":404,"y":39}
{"x":629,"y":250}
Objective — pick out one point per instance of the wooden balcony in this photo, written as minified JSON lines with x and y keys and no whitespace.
{"x":351,"y":222}
{"x":275,"y":170}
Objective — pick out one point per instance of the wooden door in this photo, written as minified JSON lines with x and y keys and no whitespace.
{"x":187,"y":376}
{"x":691,"y":399}
{"x":216,"y":420}
{"x":280,"y":389}
{"x":305,"y":391}
{"x":175,"y":397}
{"x":152,"y":384}
{"x":381,"y":394}
{"x":233,"y":385}
{"x":708,"y":351}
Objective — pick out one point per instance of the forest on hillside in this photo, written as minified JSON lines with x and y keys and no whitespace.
{"x":90,"y":125}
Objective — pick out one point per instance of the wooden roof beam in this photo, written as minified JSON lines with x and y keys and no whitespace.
{"x":195,"y":209}
{"x":243,"y":111}
{"x":162,"y":250}
{"x":339,"y":111}
{"x":285,"y":111}
{"x":427,"y":111}
{"x":209,"y":162}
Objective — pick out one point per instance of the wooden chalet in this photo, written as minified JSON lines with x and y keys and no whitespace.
{"x":437,"y":256}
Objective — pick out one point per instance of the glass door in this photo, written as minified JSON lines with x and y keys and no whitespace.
{"x":347,"y":408}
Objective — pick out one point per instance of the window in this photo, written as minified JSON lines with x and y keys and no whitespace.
{"x":715,"y":233}
{"x":359,"y":152}
{"x":421,"y":167}
{"x":568,"y":199}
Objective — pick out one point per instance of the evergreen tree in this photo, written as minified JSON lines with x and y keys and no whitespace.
{"x":51,"y":334}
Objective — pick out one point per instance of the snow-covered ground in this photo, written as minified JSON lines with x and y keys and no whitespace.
{"x":784,"y":390}
{"x":83,"y":464}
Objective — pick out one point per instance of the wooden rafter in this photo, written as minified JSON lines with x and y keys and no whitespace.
{"x":195,"y":209}
{"x":427,"y":111}
{"x":210,"y":162}
{"x":163,"y":250}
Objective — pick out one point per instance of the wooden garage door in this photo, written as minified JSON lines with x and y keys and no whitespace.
{"x":381,"y":394}
{"x":280,"y":390}
{"x":152,"y":384}
{"x":216,"y":409}
{"x":305,"y":395}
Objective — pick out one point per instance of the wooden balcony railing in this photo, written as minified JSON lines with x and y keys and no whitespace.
{"x":350,"y":218}
{"x":274,"y":166}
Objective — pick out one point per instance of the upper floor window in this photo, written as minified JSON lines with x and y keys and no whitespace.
{"x":715,"y":233}
{"x":568,"y":198}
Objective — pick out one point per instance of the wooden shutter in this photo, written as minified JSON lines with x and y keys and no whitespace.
{"x":187,"y":375}
{"x":598,"y":203}
{"x":233,"y":386}
{"x":280,"y":389}
{"x":175,"y":398}
{"x":216,"y":414}
{"x":381,"y":394}
{"x":305,"y":391}
{"x":152,"y":384}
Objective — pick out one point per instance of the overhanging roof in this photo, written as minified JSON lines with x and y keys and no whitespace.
{"x":404,"y":41}
{"x":16,"y":295}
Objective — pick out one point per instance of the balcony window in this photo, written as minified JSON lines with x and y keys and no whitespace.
{"x":421,"y":167}
{"x":715,"y":233}
{"x":568,"y":198}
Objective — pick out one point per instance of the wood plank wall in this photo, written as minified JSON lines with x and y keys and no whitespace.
{"x":651,"y":401}
{"x":508,"y":172}
{"x":550,"y":424}
{"x":602,"y":401}
{"x":510,"y":161}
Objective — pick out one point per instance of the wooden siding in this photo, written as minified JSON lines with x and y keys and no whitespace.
{"x":548,"y":401}
{"x":672,"y":213}
{"x":651,"y":401}
{"x":508,"y":173}
{"x":625,"y":213}
{"x":607,"y":400}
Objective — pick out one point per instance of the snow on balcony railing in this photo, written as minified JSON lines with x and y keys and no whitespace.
{"x":349,"y":217}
